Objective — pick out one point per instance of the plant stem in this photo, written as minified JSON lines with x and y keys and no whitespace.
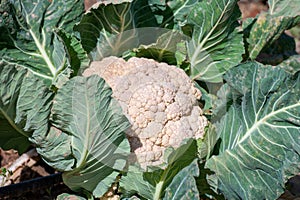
{"x":158,"y":189}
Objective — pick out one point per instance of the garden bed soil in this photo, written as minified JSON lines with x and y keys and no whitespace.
{"x":32,"y":180}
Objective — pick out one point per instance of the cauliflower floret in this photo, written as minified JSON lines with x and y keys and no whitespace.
{"x":160,"y":101}
{"x":109,"y":68}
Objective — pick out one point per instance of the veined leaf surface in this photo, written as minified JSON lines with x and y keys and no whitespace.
{"x":183,"y":185}
{"x":98,"y":26}
{"x":284,"y":7}
{"x":164,"y":49}
{"x":10,"y":138}
{"x":216,"y":44}
{"x":153,"y":183}
{"x":117,"y":26}
{"x":292,"y":64}
{"x":78,"y":57}
{"x":36,"y":45}
{"x":24,"y":106}
{"x":56,"y":151}
{"x":85,"y":110}
{"x":266,"y":29}
{"x":65,"y":196}
{"x":259,"y":134}
{"x":181,"y":10}
{"x":282,"y":15}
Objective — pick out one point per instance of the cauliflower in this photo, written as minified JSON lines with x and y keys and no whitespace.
{"x":159,"y":100}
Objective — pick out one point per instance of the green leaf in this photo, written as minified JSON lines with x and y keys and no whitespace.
{"x":279,"y":50}
{"x":99,"y":25}
{"x":183,"y":155}
{"x":259,"y":149}
{"x":284,"y":7}
{"x":25,"y":103}
{"x":131,"y":198}
{"x":85,"y":110}
{"x":292,"y":64}
{"x":153,"y":183}
{"x":78,"y":57}
{"x":164,"y":49}
{"x":7,"y":24}
{"x":66,"y":196}
{"x":56,"y":151}
{"x":207,"y":144}
{"x":205,"y":189}
{"x":120,"y":26}
{"x":115,"y":27}
{"x":9,"y":91}
{"x":10,"y":138}
{"x":181,"y":10}
{"x":266,"y":29}
{"x":36,"y":45}
{"x":216,"y":44}
{"x":183,"y":185}
{"x":170,"y":14}
{"x":135,"y":181}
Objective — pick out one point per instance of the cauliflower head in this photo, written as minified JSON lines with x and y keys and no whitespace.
{"x":160,"y":101}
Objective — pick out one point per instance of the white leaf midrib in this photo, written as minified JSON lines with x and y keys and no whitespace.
{"x":39,"y":45}
{"x":43,"y":52}
{"x":201,"y":45}
{"x":258,"y":123}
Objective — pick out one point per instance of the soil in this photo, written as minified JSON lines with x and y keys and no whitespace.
{"x":29,"y":173}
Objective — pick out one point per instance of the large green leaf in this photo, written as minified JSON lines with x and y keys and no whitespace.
{"x":284,"y":7}
{"x":267,"y":28}
{"x":7,"y":24}
{"x":164,"y":49}
{"x":114,"y":27}
{"x":153,"y":183}
{"x":207,"y":144}
{"x":85,"y":110}
{"x":260,"y":132}
{"x":77,"y":55}
{"x":31,"y":54}
{"x":135,"y":181}
{"x":9,"y":91}
{"x":171,"y":14}
{"x":66,"y":196}
{"x":181,"y":10}
{"x":25,"y":106}
{"x":55,"y":149}
{"x":280,"y":50}
{"x":10,"y":138}
{"x":36,"y":45}
{"x":101,"y":24}
{"x":183,"y":185}
{"x":216,"y":43}
{"x":292,"y":64}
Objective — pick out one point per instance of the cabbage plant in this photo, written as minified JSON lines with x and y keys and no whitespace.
{"x":251,"y":145}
